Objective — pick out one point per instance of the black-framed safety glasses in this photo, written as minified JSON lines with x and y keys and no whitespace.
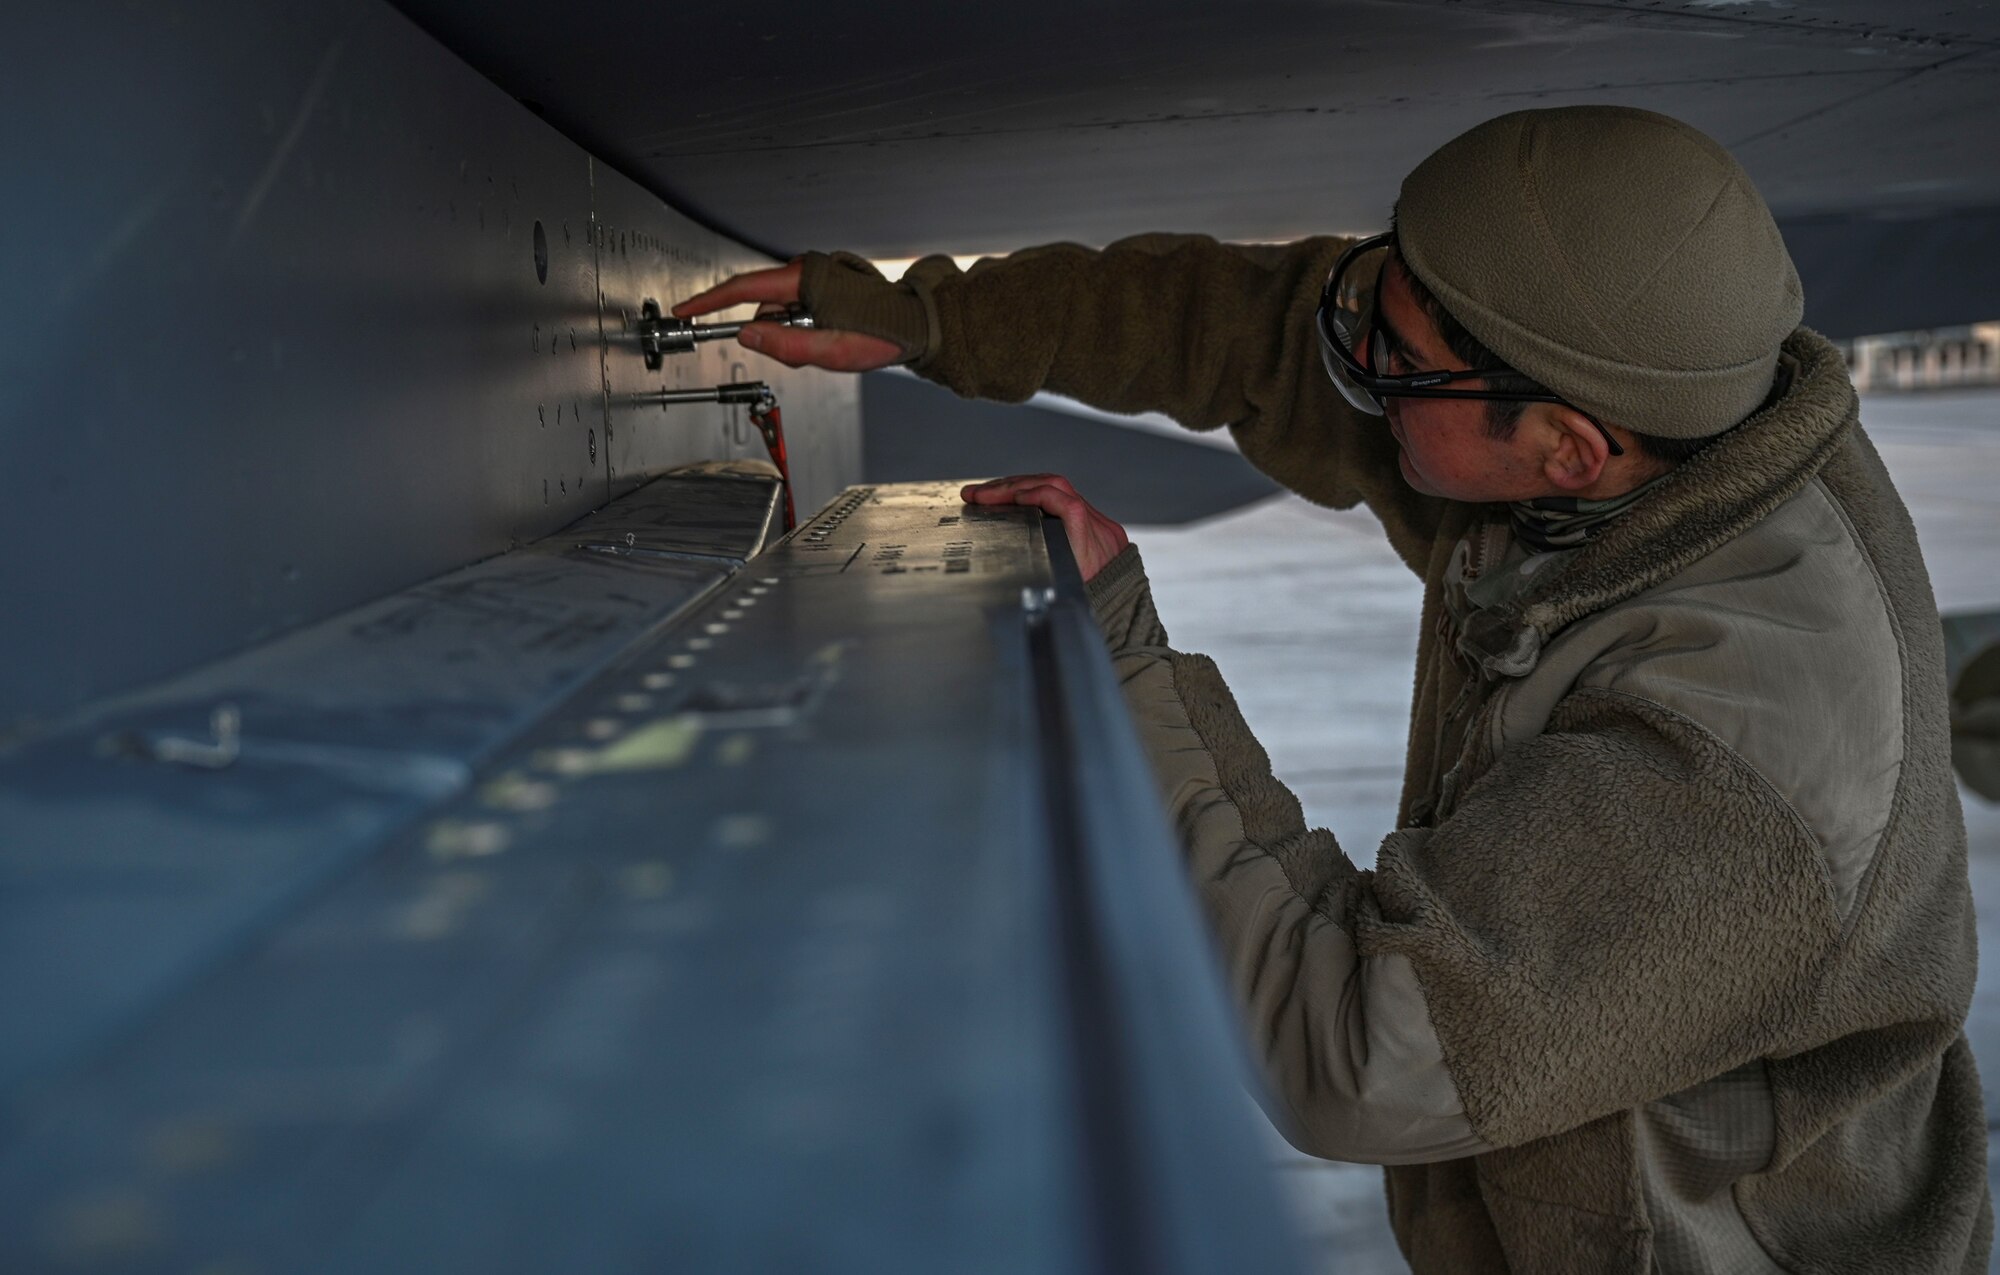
{"x":1346,"y":310}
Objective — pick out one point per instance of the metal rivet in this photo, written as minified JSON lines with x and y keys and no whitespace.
{"x":650,"y":880}
{"x":466,"y":839}
{"x":565,"y":761}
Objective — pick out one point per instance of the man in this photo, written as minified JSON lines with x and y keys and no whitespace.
{"x":1667,"y":965}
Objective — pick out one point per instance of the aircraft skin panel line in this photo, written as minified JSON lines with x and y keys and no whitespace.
{"x":834,"y":924}
{"x":312,"y":312}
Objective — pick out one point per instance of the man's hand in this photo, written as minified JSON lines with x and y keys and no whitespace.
{"x":1095,"y":539}
{"x":794,"y":347}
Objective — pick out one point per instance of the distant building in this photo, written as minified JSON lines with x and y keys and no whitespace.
{"x":1938,"y":358}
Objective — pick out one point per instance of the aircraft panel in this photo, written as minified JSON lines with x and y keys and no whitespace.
{"x":307,"y":311}
{"x":832,"y":924}
{"x":151,"y":835}
{"x":897,"y":129}
{"x":647,"y":252}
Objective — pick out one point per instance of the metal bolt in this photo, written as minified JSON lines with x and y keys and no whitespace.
{"x":227,"y":724}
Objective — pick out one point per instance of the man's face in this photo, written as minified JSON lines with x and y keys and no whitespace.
{"x":1446,"y":450}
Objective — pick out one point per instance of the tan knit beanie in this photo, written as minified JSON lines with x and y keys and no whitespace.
{"x":1621,"y":258}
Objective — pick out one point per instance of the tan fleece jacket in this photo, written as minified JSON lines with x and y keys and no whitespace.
{"x":1667,"y":966}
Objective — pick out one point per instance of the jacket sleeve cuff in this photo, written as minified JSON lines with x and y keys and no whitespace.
{"x":846,"y":293}
{"x":1122,"y":600}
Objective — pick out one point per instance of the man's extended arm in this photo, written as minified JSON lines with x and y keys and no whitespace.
{"x":1211,"y":334}
{"x":1506,"y":974}
{"x":1346,"y":1041}
{"x":1208,"y":333}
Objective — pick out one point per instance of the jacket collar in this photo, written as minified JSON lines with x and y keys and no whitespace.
{"x":1723,"y":491}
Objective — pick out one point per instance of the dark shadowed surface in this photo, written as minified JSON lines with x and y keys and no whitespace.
{"x":895,"y":129}
{"x":371,"y":328}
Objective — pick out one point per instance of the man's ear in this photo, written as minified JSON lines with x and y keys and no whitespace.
{"x":1575,"y":454}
